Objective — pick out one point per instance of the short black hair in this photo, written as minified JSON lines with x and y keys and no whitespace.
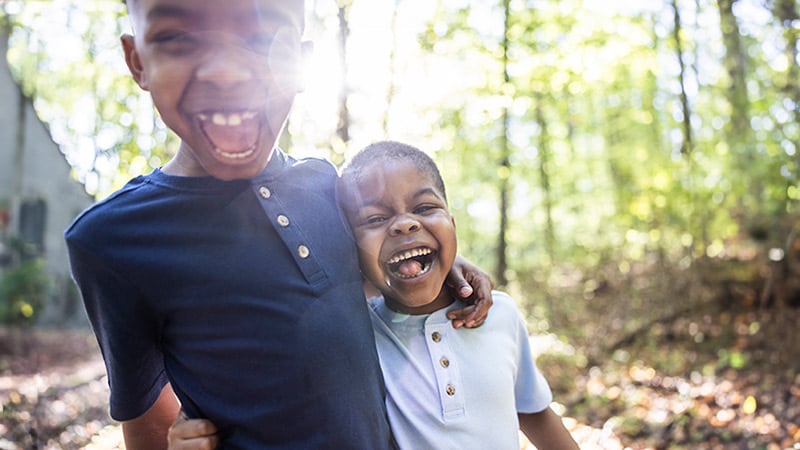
{"x":298,"y":4}
{"x":381,"y":151}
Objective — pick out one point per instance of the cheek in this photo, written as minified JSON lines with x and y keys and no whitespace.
{"x":369,"y":251}
{"x":451,"y":244}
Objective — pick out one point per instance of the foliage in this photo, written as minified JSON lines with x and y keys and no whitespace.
{"x":81,"y":88}
{"x":598,"y":145}
{"x":630,"y":208}
{"x":24,"y":291}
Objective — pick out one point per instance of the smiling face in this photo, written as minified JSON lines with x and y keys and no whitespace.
{"x":222,"y":75}
{"x":406,"y":236}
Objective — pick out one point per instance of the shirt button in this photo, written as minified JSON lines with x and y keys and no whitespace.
{"x":444,"y":362}
{"x":265,"y":193}
{"x":303,"y":251}
{"x":283,"y":221}
{"x":436,"y":336}
{"x":450,"y":389}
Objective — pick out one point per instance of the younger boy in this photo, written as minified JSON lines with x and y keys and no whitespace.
{"x":446,"y":388}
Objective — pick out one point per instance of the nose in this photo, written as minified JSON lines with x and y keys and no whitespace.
{"x":404,"y":225}
{"x":226,"y":63}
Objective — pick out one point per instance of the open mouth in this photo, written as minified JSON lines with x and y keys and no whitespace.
{"x":233,"y":135}
{"x":411,"y":263}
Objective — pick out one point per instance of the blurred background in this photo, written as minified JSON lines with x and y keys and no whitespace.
{"x":628,"y":171}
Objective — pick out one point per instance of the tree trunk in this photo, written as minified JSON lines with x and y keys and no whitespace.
{"x":738,"y":134}
{"x":544,"y":175}
{"x":392,"y":87}
{"x":686,"y":144}
{"x":785,"y":11}
{"x":504,"y":171}
{"x":343,"y":125}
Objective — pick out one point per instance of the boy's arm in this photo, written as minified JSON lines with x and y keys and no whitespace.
{"x":471,"y":284}
{"x":546,"y":431}
{"x":149,"y":431}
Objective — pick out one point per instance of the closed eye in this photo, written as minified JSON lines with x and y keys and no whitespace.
{"x":171,"y":36}
{"x":175,"y":42}
{"x":260,"y":43}
{"x":422,"y":209}
{"x":374,"y":220}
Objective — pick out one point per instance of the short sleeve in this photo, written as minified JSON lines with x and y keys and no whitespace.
{"x":531,"y":390}
{"x":126,"y":331}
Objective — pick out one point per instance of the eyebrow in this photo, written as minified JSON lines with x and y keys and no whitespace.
{"x":427,"y":190}
{"x":261,"y":15}
{"x":168,"y":11}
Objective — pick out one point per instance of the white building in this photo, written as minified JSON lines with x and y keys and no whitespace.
{"x":38,"y":198}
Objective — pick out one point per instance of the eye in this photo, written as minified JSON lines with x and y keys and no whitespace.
{"x":422,"y":209}
{"x":175,"y":42}
{"x":260,"y":43}
{"x":375,"y":220}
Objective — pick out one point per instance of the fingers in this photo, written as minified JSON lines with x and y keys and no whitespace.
{"x":202,"y":443}
{"x":483,"y":287}
{"x":192,"y":434}
{"x":471,"y":316}
{"x":473,"y":286}
{"x":480,"y":312}
{"x":458,"y":284}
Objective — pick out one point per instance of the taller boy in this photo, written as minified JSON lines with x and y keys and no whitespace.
{"x":229,"y":272}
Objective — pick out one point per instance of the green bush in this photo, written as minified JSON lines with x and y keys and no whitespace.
{"x":23,"y":292}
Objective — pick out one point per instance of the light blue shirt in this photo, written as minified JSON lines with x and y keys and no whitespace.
{"x":457,"y":389}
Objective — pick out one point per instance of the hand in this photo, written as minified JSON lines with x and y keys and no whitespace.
{"x":192,"y":434}
{"x":472,"y":285}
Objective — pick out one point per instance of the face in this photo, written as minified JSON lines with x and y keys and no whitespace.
{"x":223,"y":76}
{"x":405,"y":234}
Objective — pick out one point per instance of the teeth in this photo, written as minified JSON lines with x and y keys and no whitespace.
{"x":408,"y":254}
{"x":239,"y":155}
{"x":230,"y":120}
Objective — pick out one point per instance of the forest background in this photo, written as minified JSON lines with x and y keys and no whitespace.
{"x":628,"y":171}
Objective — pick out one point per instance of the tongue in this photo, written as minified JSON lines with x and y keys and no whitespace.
{"x":232,"y":139}
{"x":410,"y":268}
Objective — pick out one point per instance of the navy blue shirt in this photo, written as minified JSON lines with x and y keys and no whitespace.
{"x":244,"y":294}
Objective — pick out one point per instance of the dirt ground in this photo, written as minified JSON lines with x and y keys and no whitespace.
{"x":54,"y":395}
{"x":53,"y":391}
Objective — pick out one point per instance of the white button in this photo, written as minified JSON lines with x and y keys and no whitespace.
{"x":283,"y":221}
{"x":265,"y":193}
{"x":303,"y":252}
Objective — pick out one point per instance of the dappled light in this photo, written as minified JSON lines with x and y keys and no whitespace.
{"x":628,"y":171}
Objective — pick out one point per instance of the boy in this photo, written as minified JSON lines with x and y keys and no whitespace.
{"x":459,"y":389}
{"x":228,"y":274}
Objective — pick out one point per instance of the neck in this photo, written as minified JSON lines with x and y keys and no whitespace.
{"x":443,"y":300}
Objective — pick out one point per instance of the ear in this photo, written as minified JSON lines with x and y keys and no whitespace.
{"x":133,"y":61}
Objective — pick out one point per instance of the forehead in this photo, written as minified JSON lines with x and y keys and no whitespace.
{"x":390,"y":178}
{"x":214,"y":13}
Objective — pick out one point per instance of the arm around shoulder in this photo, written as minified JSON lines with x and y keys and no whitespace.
{"x":149,"y":431}
{"x":546,"y":431}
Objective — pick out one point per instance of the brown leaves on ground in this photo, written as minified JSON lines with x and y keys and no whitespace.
{"x":53,"y":391}
{"x":715,"y":380}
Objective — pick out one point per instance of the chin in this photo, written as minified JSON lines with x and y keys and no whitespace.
{"x":239,"y":169}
